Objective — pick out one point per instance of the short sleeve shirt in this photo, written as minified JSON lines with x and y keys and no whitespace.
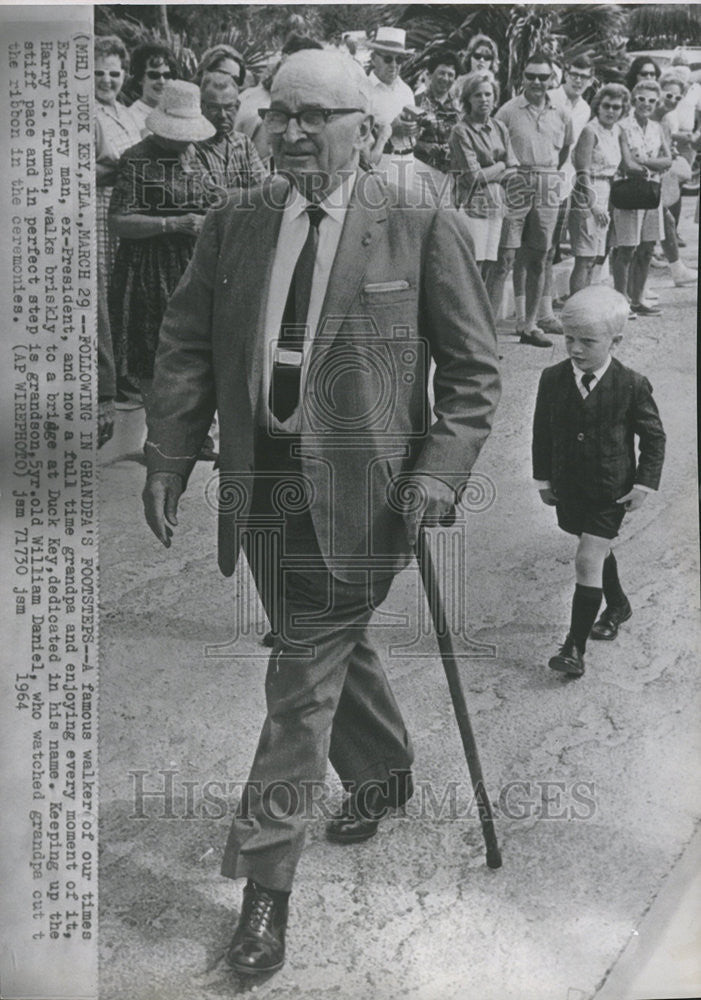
{"x":537,"y":134}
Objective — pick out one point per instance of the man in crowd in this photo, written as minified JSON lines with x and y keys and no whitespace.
{"x":577,"y":77}
{"x":229,"y":156}
{"x":440,"y":114}
{"x":541,"y":136}
{"x":392,"y":148}
{"x":293,"y":320}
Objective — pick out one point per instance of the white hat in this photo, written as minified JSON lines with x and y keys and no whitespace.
{"x":178,"y":114}
{"x":390,"y":40}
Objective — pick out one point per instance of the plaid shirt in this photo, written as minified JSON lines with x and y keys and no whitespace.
{"x":432,"y":143}
{"x":231,"y":161}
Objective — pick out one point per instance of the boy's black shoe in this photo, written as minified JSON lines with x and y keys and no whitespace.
{"x":606,"y":627}
{"x":568,"y":659}
{"x":258,"y":944}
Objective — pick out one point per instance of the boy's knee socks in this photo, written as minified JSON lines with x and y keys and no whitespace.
{"x":613,"y":592}
{"x":585,"y":607}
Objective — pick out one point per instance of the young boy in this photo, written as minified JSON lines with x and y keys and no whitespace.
{"x":588,"y":413}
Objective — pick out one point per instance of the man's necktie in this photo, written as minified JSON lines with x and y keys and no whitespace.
{"x":287,"y":363}
{"x":587,"y":379}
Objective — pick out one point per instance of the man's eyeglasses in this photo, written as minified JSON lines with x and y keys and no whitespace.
{"x":483,"y":56}
{"x":310,"y":120}
{"x":157,"y":74}
{"x":674,"y":97}
{"x":389,"y":59}
{"x":577,"y":75}
{"x":611,"y":107}
{"x":113,"y":74}
{"x":214,"y":109}
{"x":540,"y":77}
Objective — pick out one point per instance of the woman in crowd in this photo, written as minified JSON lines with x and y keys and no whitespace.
{"x":115,"y":131}
{"x":597,"y":156}
{"x":223,"y":59}
{"x":642,"y":68}
{"x":157,"y":209}
{"x":637,"y":230}
{"x":151,"y":66}
{"x":481,"y":160}
{"x":482,"y":56}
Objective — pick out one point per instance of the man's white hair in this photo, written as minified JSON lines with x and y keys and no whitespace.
{"x":336,"y":70}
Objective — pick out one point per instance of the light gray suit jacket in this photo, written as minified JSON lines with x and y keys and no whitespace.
{"x":404,"y":287}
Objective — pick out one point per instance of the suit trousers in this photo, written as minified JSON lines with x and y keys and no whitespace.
{"x":327,"y":695}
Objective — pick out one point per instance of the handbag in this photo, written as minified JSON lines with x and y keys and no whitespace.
{"x":635,"y":192}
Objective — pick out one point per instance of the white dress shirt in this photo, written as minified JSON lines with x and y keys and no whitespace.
{"x":598,"y":375}
{"x":580,"y":113}
{"x":388,"y":99}
{"x":294,"y":228}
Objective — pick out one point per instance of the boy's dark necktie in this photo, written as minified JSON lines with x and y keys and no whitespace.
{"x":587,"y":379}
{"x":287,"y":364}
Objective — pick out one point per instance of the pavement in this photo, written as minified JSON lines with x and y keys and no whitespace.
{"x":594,"y":781}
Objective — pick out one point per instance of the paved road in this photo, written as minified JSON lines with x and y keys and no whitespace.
{"x":594,"y":780}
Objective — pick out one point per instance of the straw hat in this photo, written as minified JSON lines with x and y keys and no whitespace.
{"x":178,"y":114}
{"x":390,"y":40}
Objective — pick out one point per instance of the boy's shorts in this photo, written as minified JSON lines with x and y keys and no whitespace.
{"x":602,"y":520}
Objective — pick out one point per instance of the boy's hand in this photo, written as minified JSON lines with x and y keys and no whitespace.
{"x":548,"y":496}
{"x":634,"y":499}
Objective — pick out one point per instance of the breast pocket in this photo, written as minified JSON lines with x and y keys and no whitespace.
{"x":380,"y":294}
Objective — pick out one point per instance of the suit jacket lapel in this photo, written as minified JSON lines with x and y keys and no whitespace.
{"x":252,"y":294}
{"x":363,"y":224}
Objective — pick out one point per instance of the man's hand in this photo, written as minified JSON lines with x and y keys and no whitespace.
{"x":601,"y":217}
{"x":548,"y":496}
{"x":437,"y":504}
{"x":105,"y":421}
{"x":634,"y":499}
{"x":161,"y":494}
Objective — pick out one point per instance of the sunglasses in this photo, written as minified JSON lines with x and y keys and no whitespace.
{"x":540,"y":77}
{"x":647,"y":72}
{"x":611,"y":107}
{"x":483,"y":56}
{"x":114,"y":74}
{"x":157,"y":74}
{"x":641,"y":99}
{"x":388,"y":59}
{"x":674,"y":97}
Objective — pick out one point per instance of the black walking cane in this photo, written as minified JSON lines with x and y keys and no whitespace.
{"x":445,"y":646}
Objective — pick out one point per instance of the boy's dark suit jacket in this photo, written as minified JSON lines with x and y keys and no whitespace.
{"x":585,"y":448}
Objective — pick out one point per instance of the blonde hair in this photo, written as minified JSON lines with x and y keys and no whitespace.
{"x":596,"y":307}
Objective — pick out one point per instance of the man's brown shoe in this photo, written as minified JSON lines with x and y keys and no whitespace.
{"x":568,"y":659}
{"x":362,"y":811}
{"x":606,"y":626}
{"x":258,"y":944}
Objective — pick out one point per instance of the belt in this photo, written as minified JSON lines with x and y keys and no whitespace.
{"x":402,"y":152}
{"x":538,"y":170}
{"x":602,"y":177}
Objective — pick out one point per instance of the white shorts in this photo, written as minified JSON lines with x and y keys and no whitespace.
{"x":632,"y":226}
{"x":485,"y":235}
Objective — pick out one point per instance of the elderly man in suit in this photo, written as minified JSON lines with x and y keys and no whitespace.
{"x":307,"y":317}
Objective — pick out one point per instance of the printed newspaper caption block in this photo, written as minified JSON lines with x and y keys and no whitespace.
{"x":49,"y":529}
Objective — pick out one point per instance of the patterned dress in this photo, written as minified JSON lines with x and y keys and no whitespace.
{"x":152,"y":182}
{"x":115,"y":131}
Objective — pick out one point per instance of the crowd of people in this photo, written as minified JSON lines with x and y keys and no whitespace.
{"x":532,"y":175}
